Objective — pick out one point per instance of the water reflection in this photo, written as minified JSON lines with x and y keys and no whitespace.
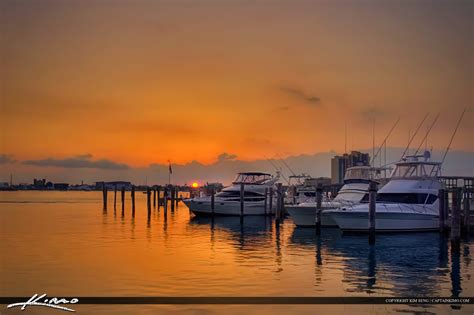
{"x":253,"y":232}
{"x":399,"y":264}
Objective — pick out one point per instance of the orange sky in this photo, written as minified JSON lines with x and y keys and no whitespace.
{"x":142,"y":82}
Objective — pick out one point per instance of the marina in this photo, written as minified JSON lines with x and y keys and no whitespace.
{"x":175,"y":253}
{"x":236,"y":157}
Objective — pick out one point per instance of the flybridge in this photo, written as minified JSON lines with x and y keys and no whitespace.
{"x":254,"y":178}
{"x":413,"y":168}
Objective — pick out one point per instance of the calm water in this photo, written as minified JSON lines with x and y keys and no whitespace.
{"x":63,"y":244}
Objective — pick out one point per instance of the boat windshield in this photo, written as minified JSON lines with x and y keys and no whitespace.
{"x":251,"y":178}
{"x":416,"y":170}
{"x":358,"y":173}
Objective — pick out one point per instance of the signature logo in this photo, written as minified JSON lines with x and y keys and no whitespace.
{"x":42,"y":300}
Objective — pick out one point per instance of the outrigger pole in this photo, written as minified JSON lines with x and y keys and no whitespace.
{"x":427,"y":133}
{"x":452,"y":137}
{"x":413,"y":137}
{"x":278,"y":170}
{"x":384,"y":141}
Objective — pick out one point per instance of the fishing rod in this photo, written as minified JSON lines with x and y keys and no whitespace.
{"x":427,"y":133}
{"x":413,"y":137}
{"x":291,"y":171}
{"x":384,"y":141}
{"x":452,"y":137}
{"x":278,"y":170}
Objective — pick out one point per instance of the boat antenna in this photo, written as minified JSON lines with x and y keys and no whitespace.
{"x":426,"y":135}
{"x":345,"y":137}
{"x":384,"y":141}
{"x":452,"y":137}
{"x":413,"y":136}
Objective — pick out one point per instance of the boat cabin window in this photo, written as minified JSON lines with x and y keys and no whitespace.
{"x":251,"y":178}
{"x":357,"y":173}
{"x":407,"y":170}
{"x":410,"y":198}
{"x":236,"y":193}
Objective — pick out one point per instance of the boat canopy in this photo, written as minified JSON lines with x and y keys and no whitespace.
{"x":416,"y":169}
{"x":254,"y":178}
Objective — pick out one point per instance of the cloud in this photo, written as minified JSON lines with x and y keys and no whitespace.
{"x":301,"y":95}
{"x":5,"y":158}
{"x":79,"y":161}
{"x":226,"y":157}
{"x":84,"y":156}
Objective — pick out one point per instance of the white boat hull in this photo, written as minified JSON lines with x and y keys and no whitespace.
{"x":306,"y":216}
{"x":202,"y":206}
{"x":355,"y":221}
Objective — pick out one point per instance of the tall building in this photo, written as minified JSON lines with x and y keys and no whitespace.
{"x":340,"y":163}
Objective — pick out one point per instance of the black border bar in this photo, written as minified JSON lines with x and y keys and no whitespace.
{"x":253,"y":300}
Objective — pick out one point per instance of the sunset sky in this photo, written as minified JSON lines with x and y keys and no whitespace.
{"x":141,"y":82}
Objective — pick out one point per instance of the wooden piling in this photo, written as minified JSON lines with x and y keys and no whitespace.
{"x":158,"y":198}
{"x":132,"y":193}
{"x":154,"y":197}
{"x":148,"y":201}
{"x":265,"y":201}
{"x":104,"y":195}
{"x":294,"y":191}
{"x":176,"y":196}
{"x":212,"y":200}
{"x":172,"y":197}
{"x":372,"y":210}
{"x":270,"y":200}
{"x":466,"y":211}
{"x":165,"y":199}
{"x":455,"y":217}
{"x":242,"y":192}
{"x":278,"y":204}
{"x":115,"y":196}
{"x":319,"y":199}
{"x":442,"y":210}
{"x":282,"y":202}
{"x":123,"y":200}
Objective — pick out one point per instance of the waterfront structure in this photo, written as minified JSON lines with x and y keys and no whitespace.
{"x":113,"y":184}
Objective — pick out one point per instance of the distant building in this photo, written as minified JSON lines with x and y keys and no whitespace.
{"x":39,"y":183}
{"x":340,"y":163}
{"x":60,"y":186}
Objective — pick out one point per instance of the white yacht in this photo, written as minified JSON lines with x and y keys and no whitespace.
{"x":408,"y":202}
{"x":356,"y":184}
{"x":227,"y":201}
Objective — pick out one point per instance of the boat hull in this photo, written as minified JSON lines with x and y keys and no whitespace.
{"x":352,"y":221}
{"x":306,"y":216}
{"x":228,"y":208}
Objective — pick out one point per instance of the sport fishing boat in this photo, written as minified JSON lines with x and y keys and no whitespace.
{"x":303,"y":189}
{"x":356,"y":185}
{"x":227,"y":201}
{"x":408,"y":202}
